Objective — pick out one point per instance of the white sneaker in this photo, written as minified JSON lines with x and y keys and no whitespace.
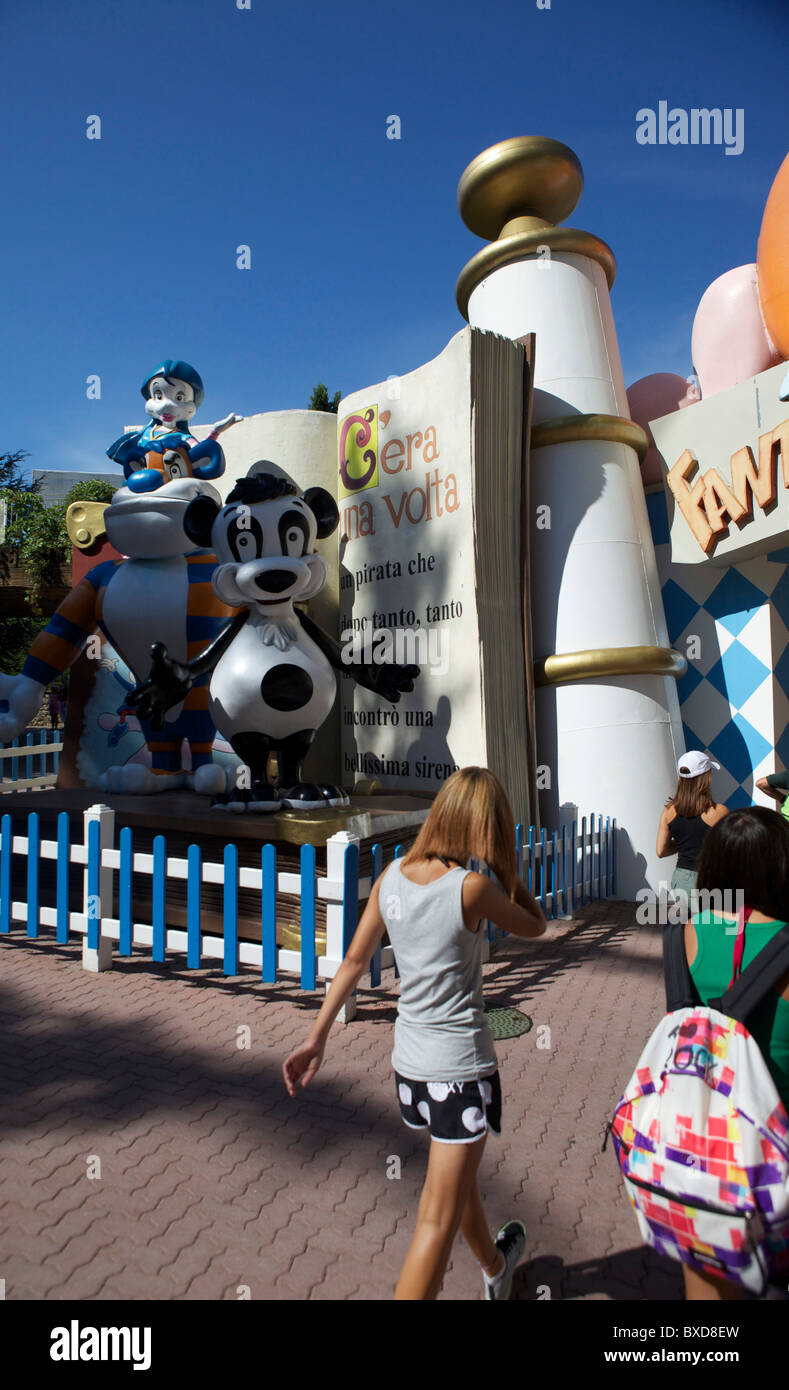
{"x":511,"y":1241}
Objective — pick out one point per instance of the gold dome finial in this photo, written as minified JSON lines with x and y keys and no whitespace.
{"x":513,"y":194}
{"x":519,"y":185}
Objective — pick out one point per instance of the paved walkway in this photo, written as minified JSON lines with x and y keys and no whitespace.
{"x":148,"y":1148}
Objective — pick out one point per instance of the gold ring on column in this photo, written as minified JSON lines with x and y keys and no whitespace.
{"x":566,"y":429}
{"x":597,"y":662}
{"x":524,"y":245}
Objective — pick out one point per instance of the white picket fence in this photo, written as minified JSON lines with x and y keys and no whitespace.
{"x":31,"y":761}
{"x":562,"y":872}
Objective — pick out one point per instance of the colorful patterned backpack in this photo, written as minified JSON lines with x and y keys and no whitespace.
{"x":701,"y":1134}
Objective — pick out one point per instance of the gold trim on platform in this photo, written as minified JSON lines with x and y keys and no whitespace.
{"x":609,"y":661}
{"x":290,"y":938}
{"x":565,"y":429}
{"x":562,"y":240}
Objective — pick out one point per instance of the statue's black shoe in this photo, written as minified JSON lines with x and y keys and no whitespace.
{"x":235,"y":800}
{"x":334,"y":796}
{"x":264,"y":797}
{"x":302,"y":796}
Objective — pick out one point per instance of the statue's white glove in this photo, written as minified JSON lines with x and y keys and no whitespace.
{"x":223,"y":424}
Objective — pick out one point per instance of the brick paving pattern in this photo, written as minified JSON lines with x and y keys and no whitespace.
{"x":207,"y":1177}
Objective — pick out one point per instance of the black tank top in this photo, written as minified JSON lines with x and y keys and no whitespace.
{"x":688,"y":834}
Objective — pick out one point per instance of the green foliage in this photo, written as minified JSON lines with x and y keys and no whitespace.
{"x":16,"y":634}
{"x":319,"y":399}
{"x":38,"y":534}
{"x":92,"y":490}
{"x":11,"y":478}
{"x":16,"y":638}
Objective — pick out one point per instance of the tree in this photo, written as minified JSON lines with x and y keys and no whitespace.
{"x":39,"y":535}
{"x":11,"y":479}
{"x":319,"y":399}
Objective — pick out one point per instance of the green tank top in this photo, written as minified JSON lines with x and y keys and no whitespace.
{"x":711,"y":972}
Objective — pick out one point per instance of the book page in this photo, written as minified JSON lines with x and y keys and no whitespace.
{"x":407,"y":574}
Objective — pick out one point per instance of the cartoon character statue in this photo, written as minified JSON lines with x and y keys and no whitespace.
{"x":164,"y":448}
{"x":162,"y":591}
{"x":271,"y":670}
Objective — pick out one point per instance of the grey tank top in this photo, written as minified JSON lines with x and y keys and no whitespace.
{"x":441,"y":1033}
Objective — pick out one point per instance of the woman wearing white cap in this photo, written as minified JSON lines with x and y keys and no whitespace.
{"x":687,"y":817}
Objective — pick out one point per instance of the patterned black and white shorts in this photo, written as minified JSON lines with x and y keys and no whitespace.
{"x":454,"y":1112}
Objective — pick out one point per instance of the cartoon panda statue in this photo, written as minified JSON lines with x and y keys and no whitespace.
{"x":272,"y":681}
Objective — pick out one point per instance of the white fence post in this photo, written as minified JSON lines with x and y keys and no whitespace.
{"x":100,"y":959}
{"x":336,"y":846}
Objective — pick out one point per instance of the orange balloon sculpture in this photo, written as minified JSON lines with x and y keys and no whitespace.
{"x":773,"y":261}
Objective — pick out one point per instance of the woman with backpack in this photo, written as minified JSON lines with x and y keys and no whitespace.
{"x":746,"y":854}
{"x":444,"y":1061}
{"x":701,"y":1131}
{"x":686,"y":819}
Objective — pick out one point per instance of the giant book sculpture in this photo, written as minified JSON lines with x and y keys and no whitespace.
{"x":433,"y":493}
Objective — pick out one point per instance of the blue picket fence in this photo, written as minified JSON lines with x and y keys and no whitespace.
{"x":32,"y":760}
{"x":564,"y":870}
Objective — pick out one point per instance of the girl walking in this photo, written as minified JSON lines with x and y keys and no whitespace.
{"x":444,"y":1061}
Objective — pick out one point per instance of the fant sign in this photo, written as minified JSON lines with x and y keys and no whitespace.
{"x":726,"y":463}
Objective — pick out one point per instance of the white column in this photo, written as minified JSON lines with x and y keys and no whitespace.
{"x":611,"y":742}
{"x":336,"y":846}
{"x":101,"y":959}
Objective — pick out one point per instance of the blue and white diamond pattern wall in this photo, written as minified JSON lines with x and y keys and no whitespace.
{"x":680,"y":608}
{"x":734,"y":601}
{"x":782,"y":749}
{"x":780,"y":714}
{"x":739,"y":747}
{"x":733,"y":625}
{"x":737,"y":674}
{"x":758,"y":710}
{"x":707,"y":711}
{"x":782,"y":671}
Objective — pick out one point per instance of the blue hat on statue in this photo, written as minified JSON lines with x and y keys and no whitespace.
{"x":182,"y":371}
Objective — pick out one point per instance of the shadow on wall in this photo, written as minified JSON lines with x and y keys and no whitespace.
{"x":630,"y":863}
{"x":582,"y":484}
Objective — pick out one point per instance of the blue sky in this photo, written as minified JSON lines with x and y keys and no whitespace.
{"x":267,"y":127}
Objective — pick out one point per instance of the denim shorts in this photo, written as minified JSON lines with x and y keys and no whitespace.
{"x":454,"y":1112}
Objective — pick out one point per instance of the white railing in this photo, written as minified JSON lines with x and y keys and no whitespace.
{"x":31,"y":761}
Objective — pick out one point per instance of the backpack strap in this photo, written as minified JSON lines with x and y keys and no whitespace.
{"x":680,"y":991}
{"x":751,"y":987}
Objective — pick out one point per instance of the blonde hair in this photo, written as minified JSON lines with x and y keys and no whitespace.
{"x":471,"y":818}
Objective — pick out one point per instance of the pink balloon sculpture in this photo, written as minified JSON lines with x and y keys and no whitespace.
{"x":649,"y":398}
{"x":730,"y":342}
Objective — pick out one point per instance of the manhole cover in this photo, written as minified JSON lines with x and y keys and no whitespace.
{"x":508,"y":1023}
